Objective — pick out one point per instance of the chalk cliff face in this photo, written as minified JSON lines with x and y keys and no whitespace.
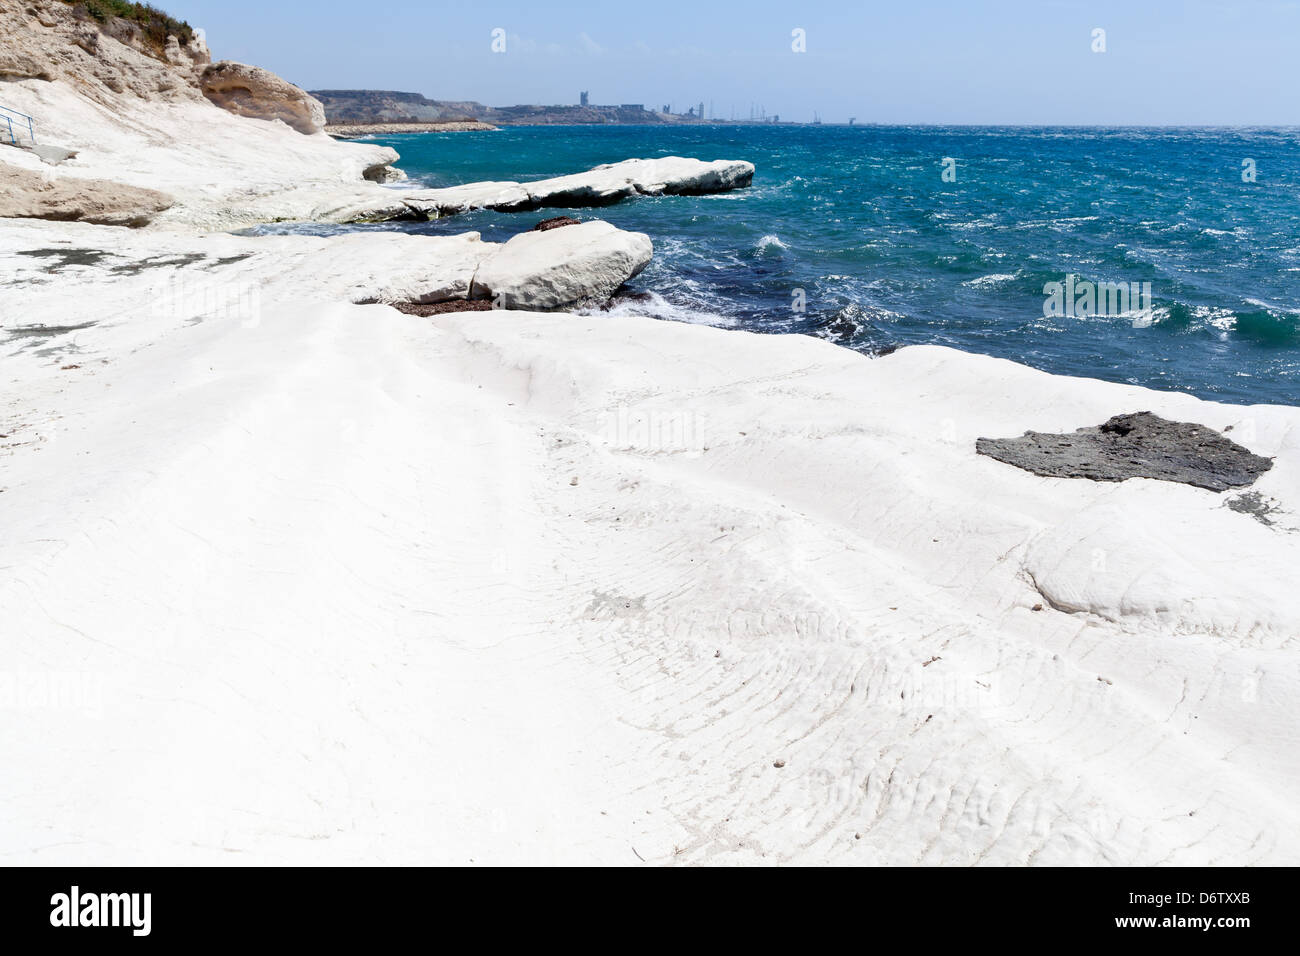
{"x":123,"y":102}
{"x":50,"y":40}
{"x":54,"y":41}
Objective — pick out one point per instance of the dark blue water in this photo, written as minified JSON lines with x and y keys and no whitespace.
{"x":887,"y":253}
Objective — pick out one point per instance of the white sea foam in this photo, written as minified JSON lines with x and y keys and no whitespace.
{"x":990,"y":281}
{"x":655,"y":306}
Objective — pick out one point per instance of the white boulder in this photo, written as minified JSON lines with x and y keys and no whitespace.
{"x":561,"y":267}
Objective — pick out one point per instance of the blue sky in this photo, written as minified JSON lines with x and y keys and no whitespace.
{"x":917,"y":61}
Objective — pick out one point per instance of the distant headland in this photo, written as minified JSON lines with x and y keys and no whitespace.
{"x":365,"y":110}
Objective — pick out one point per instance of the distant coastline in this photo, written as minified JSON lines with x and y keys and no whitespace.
{"x":367,"y":107}
{"x":353,"y":130}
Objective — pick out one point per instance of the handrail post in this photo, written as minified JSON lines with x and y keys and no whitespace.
{"x":8,"y":115}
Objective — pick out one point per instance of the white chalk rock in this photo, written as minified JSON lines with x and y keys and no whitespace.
{"x":671,"y":175}
{"x":1131,"y":561}
{"x":453,"y":199}
{"x":398,"y":268}
{"x":610,"y":183}
{"x":561,"y":267}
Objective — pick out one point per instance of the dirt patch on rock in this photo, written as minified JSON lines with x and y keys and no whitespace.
{"x":441,"y":308}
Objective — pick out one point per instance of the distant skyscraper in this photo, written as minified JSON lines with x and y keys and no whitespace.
{"x":582,"y":98}
{"x":701,"y":109}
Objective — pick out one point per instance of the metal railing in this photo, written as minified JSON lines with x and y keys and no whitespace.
{"x":9,"y":116}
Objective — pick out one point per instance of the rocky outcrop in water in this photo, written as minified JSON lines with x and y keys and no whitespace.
{"x":1138,"y":445}
{"x":601,"y":186}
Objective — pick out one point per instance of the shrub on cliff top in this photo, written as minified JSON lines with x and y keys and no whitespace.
{"x":154,"y":24}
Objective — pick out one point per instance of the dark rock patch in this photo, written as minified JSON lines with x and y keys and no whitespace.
{"x":68,"y":257}
{"x":554,"y":223}
{"x":1137,"y":445}
{"x":628,"y":298}
{"x":229,"y":260}
{"x":43,"y":331}
{"x":135,"y":267}
{"x":441,"y":308}
{"x":1254,"y":504}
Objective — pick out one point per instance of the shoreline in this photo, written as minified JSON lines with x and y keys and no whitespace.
{"x":356,"y":130}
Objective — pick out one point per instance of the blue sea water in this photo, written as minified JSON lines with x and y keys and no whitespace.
{"x":886,"y":252}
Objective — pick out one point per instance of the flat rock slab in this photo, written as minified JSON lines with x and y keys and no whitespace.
{"x":1137,"y":445}
{"x":26,"y":194}
{"x":601,"y":186}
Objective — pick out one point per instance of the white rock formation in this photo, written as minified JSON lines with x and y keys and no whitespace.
{"x":595,"y":187}
{"x":223,"y":170}
{"x":358,"y":587}
{"x":562,"y":267}
{"x":315,"y":582}
{"x":139,"y":119}
{"x":259,"y":94}
{"x":671,"y":175}
{"x":600,"y":186}
{"x":539,"y":270}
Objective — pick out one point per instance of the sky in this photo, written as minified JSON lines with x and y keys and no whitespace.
{"x":1036,"y":62}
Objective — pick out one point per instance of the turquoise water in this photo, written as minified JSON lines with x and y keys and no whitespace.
{"x":888,"y":253}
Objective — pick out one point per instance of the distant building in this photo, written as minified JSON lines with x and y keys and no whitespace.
{"x":582,"y":98}
{"x":701,"y":112}
{"x":631,"y":106}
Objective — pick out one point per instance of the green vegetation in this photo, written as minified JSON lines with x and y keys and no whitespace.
{"x":155,"y":25}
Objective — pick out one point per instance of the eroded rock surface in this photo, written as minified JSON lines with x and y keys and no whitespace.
{"x":52,"y":41}
{"x":25,"y":194}
{"x":1137,"y":445}
{"x":252,"y":91}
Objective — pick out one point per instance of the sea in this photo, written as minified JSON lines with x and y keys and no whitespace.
{"x":1168,"y":258}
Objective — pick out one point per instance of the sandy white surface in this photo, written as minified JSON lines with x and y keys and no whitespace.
{"x":288,"y":579}
{"x":328,"y":583}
